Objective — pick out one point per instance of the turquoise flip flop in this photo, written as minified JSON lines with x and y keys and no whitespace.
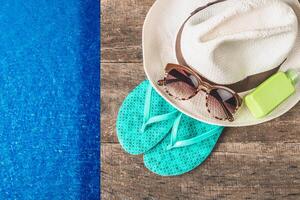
{"x":186,"y":147}
{"x":144,"y":119}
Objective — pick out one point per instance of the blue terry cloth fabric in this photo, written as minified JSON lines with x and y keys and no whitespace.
{"x":49,"y":99}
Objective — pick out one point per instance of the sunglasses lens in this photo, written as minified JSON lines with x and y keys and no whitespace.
{"x":181,"y":84}
{"x":218,"y":99}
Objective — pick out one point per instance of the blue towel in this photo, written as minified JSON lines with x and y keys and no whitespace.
{"x":49,"y":99}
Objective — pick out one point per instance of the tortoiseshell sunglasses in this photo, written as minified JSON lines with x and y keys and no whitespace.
{"x":183,"y":83}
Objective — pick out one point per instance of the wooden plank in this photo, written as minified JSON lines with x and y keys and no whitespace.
{"x":234,"y":171}
{"x":121,"y":29}
{"x":118,"y":79}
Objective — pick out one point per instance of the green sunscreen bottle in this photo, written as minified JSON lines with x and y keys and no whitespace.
{"x":272,"y":92}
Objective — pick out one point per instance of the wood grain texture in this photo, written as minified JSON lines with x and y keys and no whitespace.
{"x":233,"y":171}
{"x":256,"y":162}
{"x":121,"y":29}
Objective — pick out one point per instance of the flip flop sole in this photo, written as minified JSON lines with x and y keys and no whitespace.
{"x":178,"y":161}
{"x":130,"y":121}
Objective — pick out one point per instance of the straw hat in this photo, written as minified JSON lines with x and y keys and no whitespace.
{"x":234,"y":43}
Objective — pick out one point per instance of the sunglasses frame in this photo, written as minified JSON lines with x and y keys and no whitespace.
{"x":202,"y":86}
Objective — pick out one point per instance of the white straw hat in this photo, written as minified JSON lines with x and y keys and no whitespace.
{"x":234,"y":43}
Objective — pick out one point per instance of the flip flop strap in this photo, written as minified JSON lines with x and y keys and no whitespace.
{"x":151,"y":120}
{"x":197,"y":139}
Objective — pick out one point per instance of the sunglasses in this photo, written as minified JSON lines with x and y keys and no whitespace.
{"x":183,"y":83}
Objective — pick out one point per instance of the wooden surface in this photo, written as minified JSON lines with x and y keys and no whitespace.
{"x":256,"y":162}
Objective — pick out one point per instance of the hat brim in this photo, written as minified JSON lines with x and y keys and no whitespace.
{"x":161,"y":26}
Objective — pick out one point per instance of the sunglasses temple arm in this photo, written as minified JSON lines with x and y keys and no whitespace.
{"x":180,"y":77}
{"x":162,"y":82}
{"x":228,"y":114}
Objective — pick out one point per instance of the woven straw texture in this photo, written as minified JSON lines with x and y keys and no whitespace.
{"x":130,"y":121}
{"x":181,"y":160}
{"x":158,"y":50}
